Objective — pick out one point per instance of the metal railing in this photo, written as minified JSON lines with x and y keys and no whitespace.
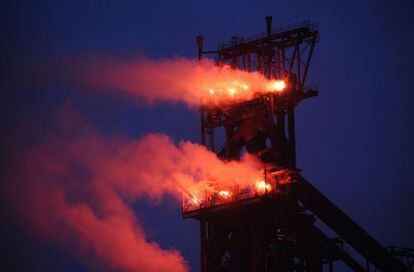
{"x":236,"y":40}
{"x":274,"y":184}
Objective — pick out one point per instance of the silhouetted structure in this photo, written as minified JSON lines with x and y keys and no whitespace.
{"x":275,"y":231}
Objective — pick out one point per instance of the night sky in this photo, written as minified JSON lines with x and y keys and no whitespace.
{"x":354,"y":141}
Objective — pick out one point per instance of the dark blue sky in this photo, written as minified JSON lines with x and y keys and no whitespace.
{"x":355,"y":141}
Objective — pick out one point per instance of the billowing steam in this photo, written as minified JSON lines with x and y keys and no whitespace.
{"x":173,"y":80}
{"x":76,"y":189}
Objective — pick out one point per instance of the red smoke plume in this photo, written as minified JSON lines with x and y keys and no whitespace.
{"x":176,"y":80}
{"x":76,"y":189}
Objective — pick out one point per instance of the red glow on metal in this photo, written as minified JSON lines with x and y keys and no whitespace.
{"x":218,"y":194}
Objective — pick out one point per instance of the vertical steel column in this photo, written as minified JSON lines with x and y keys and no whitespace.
{"x":284,"y":63}
{"x":259,"y":63}
{"x":292,"y":139}
{"x":211,"y":139}
{"x":291,"y":113}
{"x":234,"y":60}
{"x":202,"y":113}
{"x":203,"y":130}
{"x":203,"y":142}
{"x":249,"y":62}
{"x":278,"y":66}
{"x":263,"y":57}
{"x":200,"y":47}
{"x":203,"y":253}
{"x":269,"y":46}
{"x":281,"y":122}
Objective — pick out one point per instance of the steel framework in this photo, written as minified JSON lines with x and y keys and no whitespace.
{"x":284,"y":53}
{"x":276,"y":231}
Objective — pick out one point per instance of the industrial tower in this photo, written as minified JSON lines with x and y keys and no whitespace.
{"x":275,"y":231}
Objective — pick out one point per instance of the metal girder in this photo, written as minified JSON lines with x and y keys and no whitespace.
{"x":344,"y":226}
{"x":339,"y":252}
